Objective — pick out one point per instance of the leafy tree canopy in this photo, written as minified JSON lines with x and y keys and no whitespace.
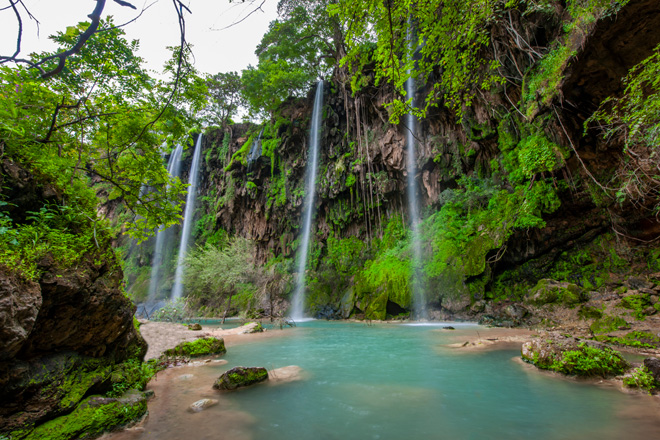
{"x":301,"y":46}
{"x":102,"y":118}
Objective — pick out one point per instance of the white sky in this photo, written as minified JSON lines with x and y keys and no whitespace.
{"x":215,"y":50}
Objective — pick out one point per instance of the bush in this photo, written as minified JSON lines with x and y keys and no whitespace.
{"x":590,"y":361}
{"x":641,"y":378}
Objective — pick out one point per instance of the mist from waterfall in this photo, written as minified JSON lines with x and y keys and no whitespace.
{"x":419,"y":296}
{"x":312,"y":167}
{"x":164,"y":235}
{"x":193,"y":177}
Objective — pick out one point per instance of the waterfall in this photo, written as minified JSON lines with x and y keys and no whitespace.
{"x":163,"y":236}
{"x":255,"y":150}
{"x":177,"y":290}
{"x":312,"y":165}
{"x":419,"y":297}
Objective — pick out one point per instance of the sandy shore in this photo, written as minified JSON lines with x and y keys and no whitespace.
{"x":489,"y":338}
{"x":161,"y":336}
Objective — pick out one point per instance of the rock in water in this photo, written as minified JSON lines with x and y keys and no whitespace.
{"x":291,"y":373}
{"x":202,"y":404}
{"x":239,"y":377}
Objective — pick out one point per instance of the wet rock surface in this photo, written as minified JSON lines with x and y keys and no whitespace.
{"x":240,"y":377}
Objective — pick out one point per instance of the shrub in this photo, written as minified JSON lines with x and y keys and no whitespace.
{"x":590,"y":361}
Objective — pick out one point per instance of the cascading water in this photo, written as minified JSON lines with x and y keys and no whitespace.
{"x":177,"y":290}
{"x":255,"y":150}
{"x":419,"y":297}
{"x":312,"y":166}
{"x":163,"y":236}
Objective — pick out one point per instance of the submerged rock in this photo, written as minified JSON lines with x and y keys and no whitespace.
{"x":202,"y":404}
{"x":292,"y":373}
{"x":239,"y":377}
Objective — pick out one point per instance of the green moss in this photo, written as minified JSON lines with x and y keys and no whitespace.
{"x":199,"y":347}
{"x":607,"y":323}
{"x":242,"y":153}
{"x":589,"y":312}
{"x":92,"y":417}
{"x":637,"y":303}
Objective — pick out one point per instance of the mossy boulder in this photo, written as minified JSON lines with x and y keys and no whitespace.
{"x":92,"y":417}
{"x":573,"y":357}
{"x":199,"y":347}
{"x":240,"y":377}
{"x":549,"y":291}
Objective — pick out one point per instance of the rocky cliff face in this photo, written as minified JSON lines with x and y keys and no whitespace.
{"x":62,"y":333}
{"x":362,"y":177}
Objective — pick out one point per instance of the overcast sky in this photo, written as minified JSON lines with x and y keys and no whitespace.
{"x":215,"y":49}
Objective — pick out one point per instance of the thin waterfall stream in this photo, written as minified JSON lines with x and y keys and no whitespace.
{"x":419,"y":297}
{"x":193,"y":178}
{"x":312,"y":167}
{"x":164,"y":235}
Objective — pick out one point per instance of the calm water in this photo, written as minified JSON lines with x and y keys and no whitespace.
{"x":391,"y":382}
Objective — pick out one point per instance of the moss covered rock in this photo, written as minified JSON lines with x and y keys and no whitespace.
{"x":94,"y":416}
{"x":199,"y":347}
{"x":549,"y":291}
{"x":570,"y":356}
{"x":239,"y":377}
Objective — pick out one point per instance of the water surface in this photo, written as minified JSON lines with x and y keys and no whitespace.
{"x":391,"y":381}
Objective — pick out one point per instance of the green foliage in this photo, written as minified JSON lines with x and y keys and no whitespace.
{"x":215,"y":273}
{"x":641,"y":378}
{"x":343,"y":254}
{"x":60,"y":231}
{"x":590,"y":361}
{"x":98,"y":118}
{"x":478,"y":217}
{"x":225,"y":97}
{"x":452,"y":35}
{"x":635,"y":339}
{"x":637,"y":303}
{"x":301,"y":46}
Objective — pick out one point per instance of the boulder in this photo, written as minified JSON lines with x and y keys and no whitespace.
{"x":20,"y":302}
{"x":202,"y":404}
{"x":251,"y":327}
{"x":653,"y":365}
{"x":549,"y":291}
{"x":199,"y":347}
{"x":196,"y":326}
{"x":456,"y":303}
{"x":239,"y":377}
{"x":572,"y":356}
{"x":638,"y":283}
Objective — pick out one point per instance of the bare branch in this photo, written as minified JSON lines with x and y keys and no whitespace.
{"x":258,"y":8}
{"x":123,"y":3}
{"x":95,"y":17}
